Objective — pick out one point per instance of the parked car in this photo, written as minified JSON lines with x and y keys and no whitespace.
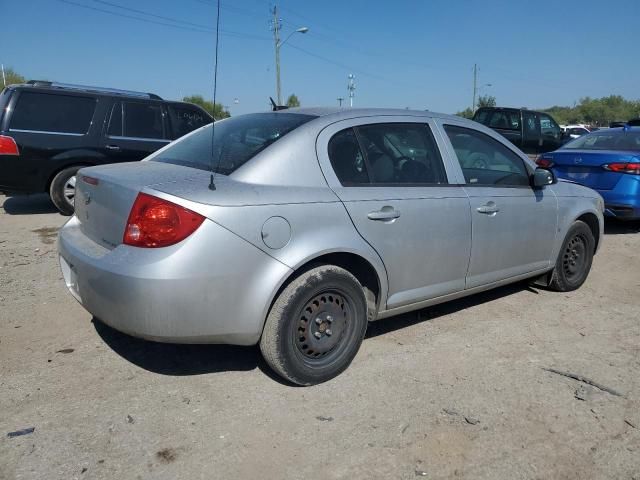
{"x":607,"y":161}
{"x":317,"y":221}
{"x":531,"y":131}
{"x":49,"y":130}
{"x":634,"y":122}
{"x":575,"y":131}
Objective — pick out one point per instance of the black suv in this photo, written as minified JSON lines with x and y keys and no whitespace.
{"x":49,"y":130}
{"x":531,"y":131}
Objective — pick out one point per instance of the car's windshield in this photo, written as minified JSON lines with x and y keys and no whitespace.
{"x":612,"y":139}
{"x":236,"y":140}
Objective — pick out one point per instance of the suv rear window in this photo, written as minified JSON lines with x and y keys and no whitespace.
{"x":45,"y":112}
{"x":236,"y":141}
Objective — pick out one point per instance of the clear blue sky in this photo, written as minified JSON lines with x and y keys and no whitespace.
{"x":417,"y":54}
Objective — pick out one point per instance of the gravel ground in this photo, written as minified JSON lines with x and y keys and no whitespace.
{"x":454,"y":391}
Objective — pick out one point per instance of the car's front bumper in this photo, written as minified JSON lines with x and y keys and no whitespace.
{"x":213,"y":287}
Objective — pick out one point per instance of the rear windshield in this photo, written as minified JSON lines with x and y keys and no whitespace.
{"x":236,"y":140}
{"x":614,"y":139}
{"x":45,"y":112}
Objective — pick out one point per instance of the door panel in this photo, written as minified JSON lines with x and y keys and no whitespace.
{"x":513,"y":226}
{"x":422,"y":232}
{"x":426,"y":248}
{"x":134,"y":130}
{"x":515,"y":238}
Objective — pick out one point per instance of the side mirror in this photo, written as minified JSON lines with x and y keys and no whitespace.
{"x":543,"y":177}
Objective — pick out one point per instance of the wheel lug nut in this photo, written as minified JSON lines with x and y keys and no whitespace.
{"x":329,"y":318}
{"x":328,"y":332}
{"x":317,"y":334}
{"x":318,"y":320}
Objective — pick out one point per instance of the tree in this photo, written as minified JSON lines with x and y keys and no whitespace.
{"x":217,"y":111}
{"x":466,"y":113}
{"x":12,"y":77}
{"x":486,"y":101}
{"x":293,"y":101}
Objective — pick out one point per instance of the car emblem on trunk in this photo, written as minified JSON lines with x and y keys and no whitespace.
{"x":577,"y":160}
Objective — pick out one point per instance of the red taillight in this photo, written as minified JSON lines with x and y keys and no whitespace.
{"x":154,"y":222}
{"x":544,"y":162}
{"x":623,"y":167}
{"x":90,"y":180}
{"x":8,"y":146}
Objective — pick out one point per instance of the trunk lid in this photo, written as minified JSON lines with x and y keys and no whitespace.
{"x":585,"y":166}
{"x":105,"y":195}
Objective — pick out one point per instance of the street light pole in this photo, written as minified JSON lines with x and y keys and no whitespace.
{"x":278,"y":44}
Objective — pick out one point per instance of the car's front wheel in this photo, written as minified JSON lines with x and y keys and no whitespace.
{"x":316,"y":326}
{"x":63,"y":190}
{"x":574,"y":261}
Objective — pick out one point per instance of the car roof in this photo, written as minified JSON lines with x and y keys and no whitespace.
{"x":68,"y":88}
{"x":344,"y":113}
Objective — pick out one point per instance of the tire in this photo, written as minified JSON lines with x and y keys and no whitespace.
{"x":316,"y":325}
{"x":61,"y":190}
{"x":574,"y":260}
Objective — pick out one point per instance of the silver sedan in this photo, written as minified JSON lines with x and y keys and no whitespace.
{"x":294,"y":229}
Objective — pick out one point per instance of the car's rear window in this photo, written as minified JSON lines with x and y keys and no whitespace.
{"x":236,"y":140}
{"x":52,"y":113}
{"x":614,"y":139}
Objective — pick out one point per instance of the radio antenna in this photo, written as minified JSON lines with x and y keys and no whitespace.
{"x":212,"y":185}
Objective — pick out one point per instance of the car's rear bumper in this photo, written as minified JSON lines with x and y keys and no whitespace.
{"x":213,"y":287}
{"x":623,"y":203}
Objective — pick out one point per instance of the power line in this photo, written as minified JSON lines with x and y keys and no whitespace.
{"x":198,"y":29}
{"x":142,"y":12}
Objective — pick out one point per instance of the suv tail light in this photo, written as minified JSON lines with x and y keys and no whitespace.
{"x":623,"y":167}
{"x":154,"y":222}
{"x":8,"y":146}
{"x":544,"y":161}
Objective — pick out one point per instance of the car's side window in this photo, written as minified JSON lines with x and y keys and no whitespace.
{"x":530,"y":123}
{"x":401,"y":153}
{"x":143,"y":120}
{"x":485,"y":161}
{"x":115,"y":121}
{"x":548,"y":126}
{"x":53,"y":113}
{"x":185,"y":119}
{"x":347,"y":159}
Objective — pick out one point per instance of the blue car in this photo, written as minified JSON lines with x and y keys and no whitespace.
{"x":607,"y":161}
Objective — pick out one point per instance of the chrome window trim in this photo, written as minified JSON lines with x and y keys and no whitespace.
{"x":47,"y":132}
{"x":165,"y":140}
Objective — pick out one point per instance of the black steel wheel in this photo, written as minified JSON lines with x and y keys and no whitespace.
{"x":315,"y":326}
{"x":575,"y":258}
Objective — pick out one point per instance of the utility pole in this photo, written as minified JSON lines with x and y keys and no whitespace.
{"x":276,"y":39}
{"x":340,"y":99}
{"x":351,"y":87}
{"x":475,"y":87}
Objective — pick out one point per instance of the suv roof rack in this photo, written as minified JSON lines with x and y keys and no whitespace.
{"x":112,"y":91}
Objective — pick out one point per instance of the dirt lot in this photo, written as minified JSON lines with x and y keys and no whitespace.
{"x":454,"y":391}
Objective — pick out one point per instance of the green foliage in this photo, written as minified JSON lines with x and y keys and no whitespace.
{"x":293,"y":101}
{"x":486,"y":101}
{"x":597,"y":111}
{"x":217,"y":111}
{"x":466,"y":113}
{"x":12,"y":77}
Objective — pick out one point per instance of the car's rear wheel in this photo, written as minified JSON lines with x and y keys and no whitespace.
{"x":62,"y":190}
{"x":316,"y":326}
{"x":574,"y":261}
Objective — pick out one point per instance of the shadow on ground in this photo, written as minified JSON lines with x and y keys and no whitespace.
{"x":621,"y":227}
{"x":28,"y":205}
{"x":181,"y":360}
